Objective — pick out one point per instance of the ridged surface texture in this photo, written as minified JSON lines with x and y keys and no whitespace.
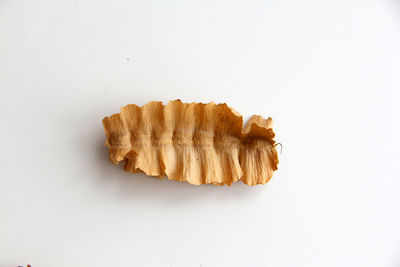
{"x":193,"y":142}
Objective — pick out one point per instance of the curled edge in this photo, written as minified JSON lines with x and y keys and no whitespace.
{"x":258,"y":156}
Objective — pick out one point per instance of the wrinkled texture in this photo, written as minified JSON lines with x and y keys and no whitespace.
{"x":197,"y":143}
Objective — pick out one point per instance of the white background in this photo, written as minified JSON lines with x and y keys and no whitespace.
{"x":327,"y":72}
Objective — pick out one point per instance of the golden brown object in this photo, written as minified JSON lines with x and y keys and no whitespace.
{"x":197,"y":143}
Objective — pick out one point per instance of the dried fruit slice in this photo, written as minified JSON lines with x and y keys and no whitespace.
{"x":197,"y":143}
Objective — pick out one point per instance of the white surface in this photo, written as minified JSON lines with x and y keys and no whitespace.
{"x":326,"y":71}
